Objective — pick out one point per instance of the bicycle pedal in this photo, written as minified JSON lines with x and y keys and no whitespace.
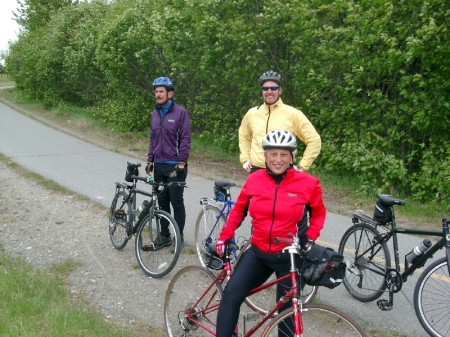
{"x":384,"y":305}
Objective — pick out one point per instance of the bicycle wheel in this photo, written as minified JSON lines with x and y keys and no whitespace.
{"x":153,"y":248}
{"x":191,"y":303}
{"x":207,"y":229}
{"x":432,"y":298}
{"x":118,"y":216}
{"x":264,"y":300}
{"x":318,"y":321}
{"x":365,"y":278}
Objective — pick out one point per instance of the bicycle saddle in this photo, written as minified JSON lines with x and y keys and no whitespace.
{"x":388,"y":200}
{"x":224,"y":183}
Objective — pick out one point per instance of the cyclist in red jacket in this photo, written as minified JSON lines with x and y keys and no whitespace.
{"x":276,"y":198}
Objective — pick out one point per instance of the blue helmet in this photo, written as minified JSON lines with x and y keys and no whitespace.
{"x":163,"y":82}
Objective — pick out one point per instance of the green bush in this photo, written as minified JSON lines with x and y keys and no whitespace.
{"x":372,"y":76}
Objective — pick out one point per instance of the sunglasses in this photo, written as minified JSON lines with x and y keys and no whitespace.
{"x":271,"y":88}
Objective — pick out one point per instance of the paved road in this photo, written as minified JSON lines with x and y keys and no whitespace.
{"x":92,"y":171}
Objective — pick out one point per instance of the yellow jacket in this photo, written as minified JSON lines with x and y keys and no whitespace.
{"x":258,"y":121}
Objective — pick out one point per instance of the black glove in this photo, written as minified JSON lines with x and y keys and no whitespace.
{"x":306,"y":243}
{"x":149,"y":168}
{"x":180,"y":167}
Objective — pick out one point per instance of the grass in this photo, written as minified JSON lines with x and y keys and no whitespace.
{"x":36,"y":303}
{"x":6,"y":81}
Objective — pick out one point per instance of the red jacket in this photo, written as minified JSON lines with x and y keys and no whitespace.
{"x":277,"y":208}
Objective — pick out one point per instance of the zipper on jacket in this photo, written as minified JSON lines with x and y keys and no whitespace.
{"x":163,"y":159}
{"x":277,"y":184}
{"x":161,"y":138}
{"x":268,"y":118}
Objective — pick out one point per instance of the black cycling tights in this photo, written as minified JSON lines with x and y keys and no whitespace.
{"x":253,"y":269}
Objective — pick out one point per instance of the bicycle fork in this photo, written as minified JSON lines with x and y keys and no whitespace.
{"x":445,"y":223}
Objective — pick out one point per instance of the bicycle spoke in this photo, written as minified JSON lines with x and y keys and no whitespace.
{"x":190,"y":306}
{"x":153,"y":245}
{"x":318,"y":321}
{"x":432,"y":299}
{"x":207,"y":229}
{"x":366,"y":265}
{"x":118,"y":216}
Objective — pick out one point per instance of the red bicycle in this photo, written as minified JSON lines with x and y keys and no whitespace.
{"x":194,"y":293}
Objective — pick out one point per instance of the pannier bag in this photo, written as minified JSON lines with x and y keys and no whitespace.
{"x":132,"y":170}
{"x":322,"y":266}
{"x":382,"y":213}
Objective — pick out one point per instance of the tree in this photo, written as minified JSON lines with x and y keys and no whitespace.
{"x":33,"y":14}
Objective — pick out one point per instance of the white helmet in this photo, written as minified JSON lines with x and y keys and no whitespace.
{"x":280,"y":139}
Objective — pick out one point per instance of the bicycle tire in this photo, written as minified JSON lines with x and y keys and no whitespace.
{"x":317,"y":321}
{"x":432,"y":299}
{"x":186,"y":291}
{"x":207,"y":220}
{"x":264,"y":300}
{"x":118,"y":220}
{"x":157,"y":262}
{"x":361,"y":280}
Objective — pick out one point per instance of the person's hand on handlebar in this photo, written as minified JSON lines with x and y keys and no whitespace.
{"x":220,"y":247}
{"x":306,"y":243}
{"x":149,"y":169}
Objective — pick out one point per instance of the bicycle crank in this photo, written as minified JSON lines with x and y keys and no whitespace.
{"x":394,"y":280}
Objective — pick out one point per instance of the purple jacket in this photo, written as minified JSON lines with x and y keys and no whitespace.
{"x":170,"y":137}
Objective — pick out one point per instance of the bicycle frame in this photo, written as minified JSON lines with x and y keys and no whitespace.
{"x":392,"y":233}
{"x":293,"y":293}
{"x":132,"y":191}
{"x":224,"y":212}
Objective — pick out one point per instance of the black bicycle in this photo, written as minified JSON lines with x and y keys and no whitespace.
{"x":157,"y":237}
{"x":369,"y":271}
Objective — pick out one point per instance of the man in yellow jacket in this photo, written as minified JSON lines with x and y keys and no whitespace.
{"x":271,"y":115}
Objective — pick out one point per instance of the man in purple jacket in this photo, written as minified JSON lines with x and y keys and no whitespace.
{"x":170,"y":144}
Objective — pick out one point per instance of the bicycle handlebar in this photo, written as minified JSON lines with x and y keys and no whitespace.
{"x":292,"y":241}
{"x":283,"y":241}
{"x":149,"y":180}
{"x":211,"y":248}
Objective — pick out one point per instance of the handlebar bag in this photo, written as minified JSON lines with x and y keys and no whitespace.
{"x":324,"y":267}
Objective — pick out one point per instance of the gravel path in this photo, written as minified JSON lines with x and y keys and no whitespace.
{"x":47,"y":227}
